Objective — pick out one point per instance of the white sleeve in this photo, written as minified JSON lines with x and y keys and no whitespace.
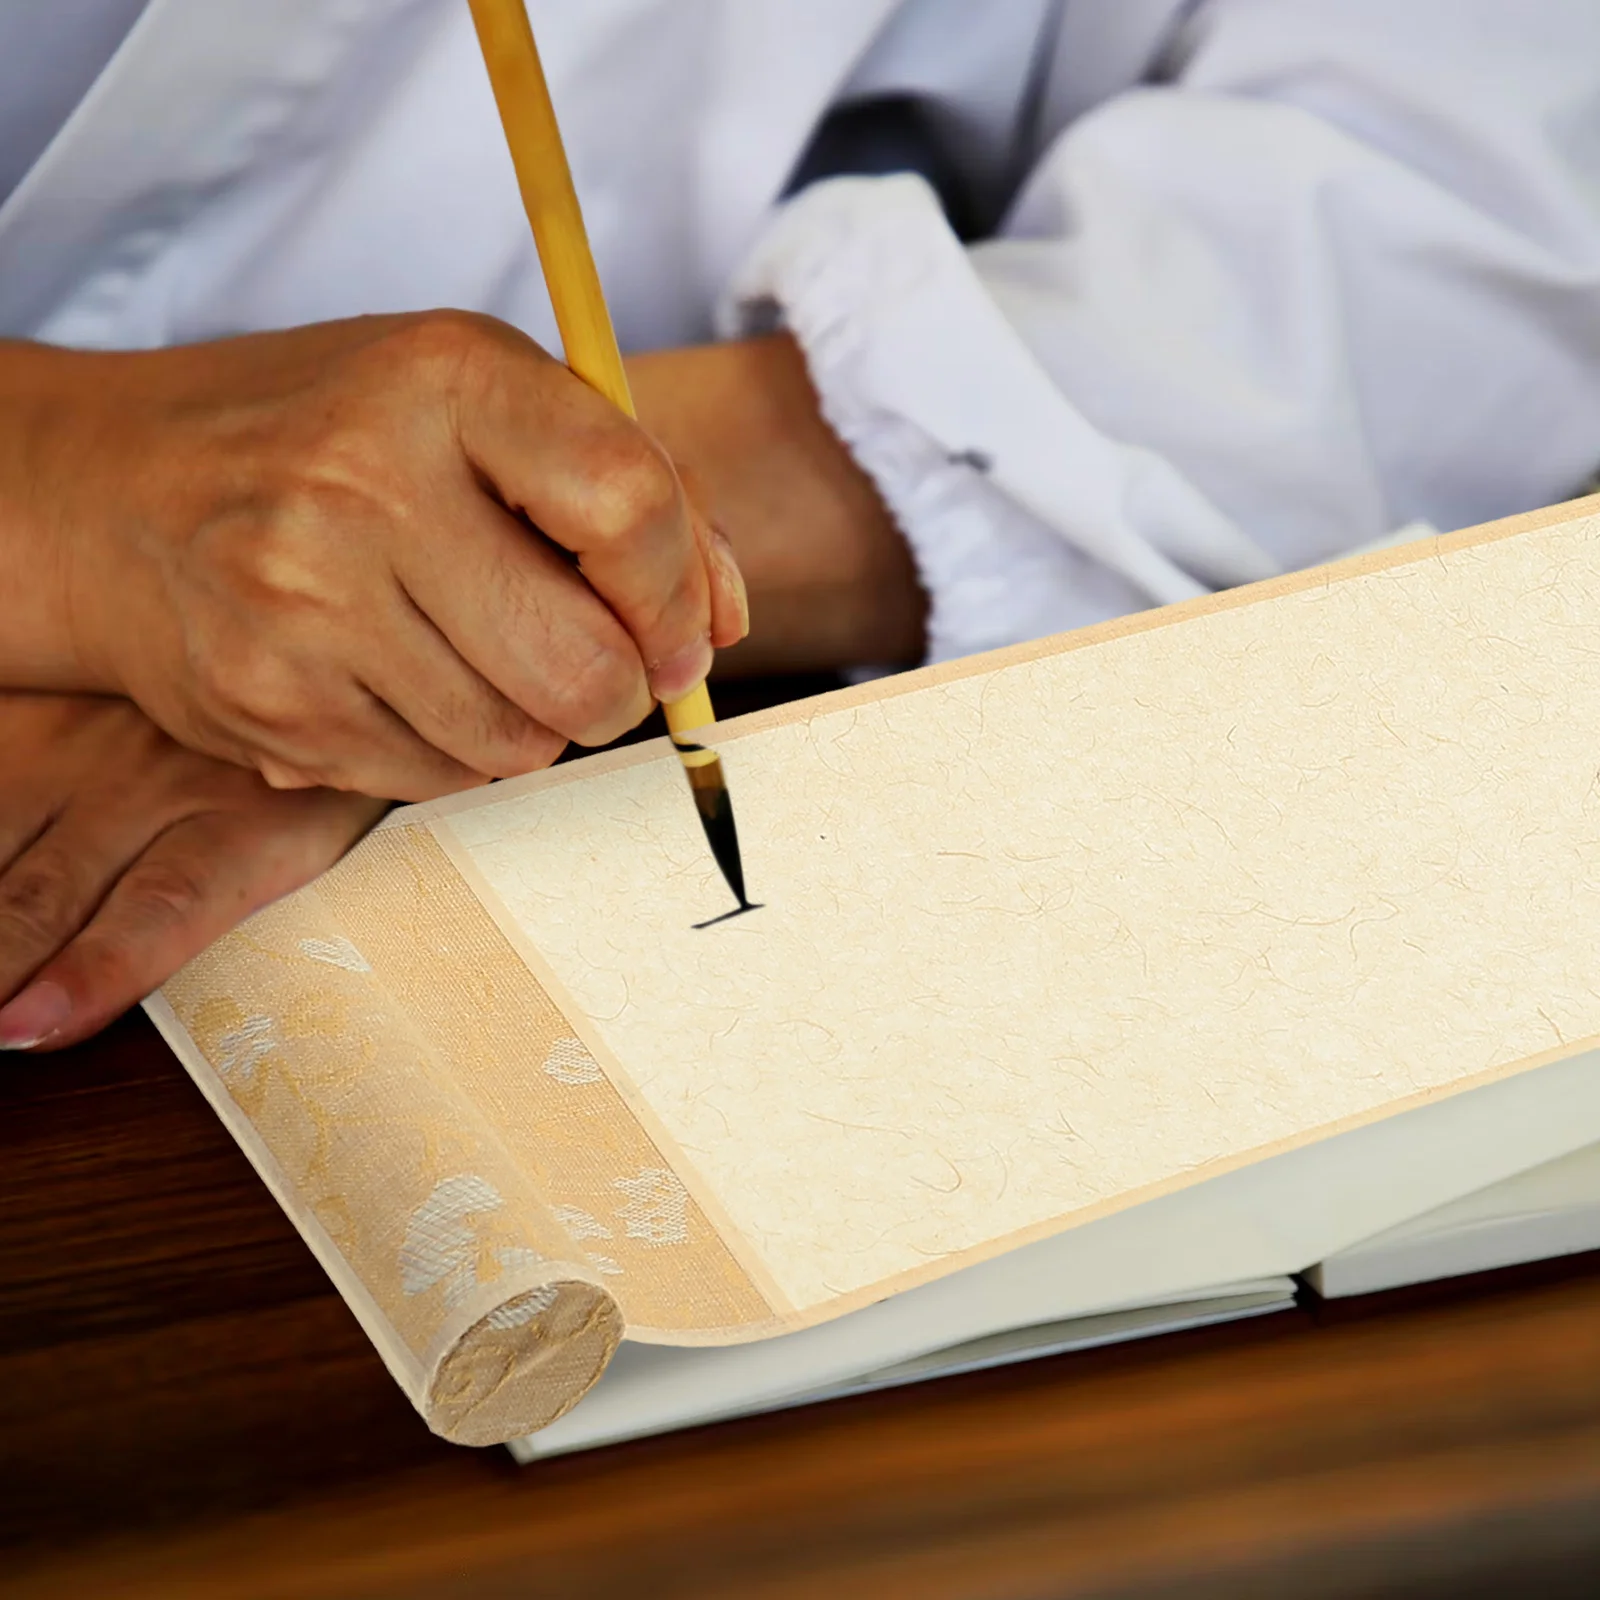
{"x":1341,"y":273}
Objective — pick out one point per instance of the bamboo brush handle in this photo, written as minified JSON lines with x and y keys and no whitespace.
{"x":545,"y":181}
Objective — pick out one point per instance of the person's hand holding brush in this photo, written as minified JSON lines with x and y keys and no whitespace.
{"x":398,"y":555}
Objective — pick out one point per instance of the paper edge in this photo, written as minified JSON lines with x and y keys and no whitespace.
{"x":410,"y":1372}
{"x":1362,"y":564}
{"x":743,"y":1249}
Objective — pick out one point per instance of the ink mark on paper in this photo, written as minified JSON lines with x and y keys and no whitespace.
{"x":727,"y":916}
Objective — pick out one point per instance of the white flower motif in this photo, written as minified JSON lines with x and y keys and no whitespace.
{"x":516,"y":1257}
{"x":439,"y":1246}
{"x":519,"y":1312}
{"x":241,"y":1051}
{"x":657,"y":1208}
{"x":605,"y":1266}
{"x":581,"y":1224}
{"x":336,"y":952}
{"x":568,"y":1062}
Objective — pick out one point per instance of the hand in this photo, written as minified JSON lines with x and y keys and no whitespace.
{"x":399,"y":554}
{"x":122,"y":855}
{"x":831,"y":580}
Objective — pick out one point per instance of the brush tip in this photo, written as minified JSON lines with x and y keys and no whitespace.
{"x":715,"y":806}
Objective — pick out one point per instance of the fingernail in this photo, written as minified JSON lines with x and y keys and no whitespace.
{"x":687,"y":670}
{"x":721,"y":553}
{"x":39,"y":1011}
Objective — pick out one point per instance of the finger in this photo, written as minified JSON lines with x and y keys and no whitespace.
{"x":51,"y":888}
{"x":393,"y":763}
{"x":730,"y":601}
{"x":518,"y":613}
{"x":452,"y":707}
{"x":597,"y":484}
{"x":22,"y":823}
{"x":200,"y":878}
{"x":290,"y":705}
{"x":354,"y":742}
{"x":35,"y":793}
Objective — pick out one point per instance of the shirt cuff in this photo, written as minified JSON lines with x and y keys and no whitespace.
{"x":1022,"y":519}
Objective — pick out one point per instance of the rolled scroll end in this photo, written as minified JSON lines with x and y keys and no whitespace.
{"x":523,"y":1364}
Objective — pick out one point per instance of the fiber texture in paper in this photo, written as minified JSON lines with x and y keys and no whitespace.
{"x":1043,"y":939}
{"x":1044,"y":934}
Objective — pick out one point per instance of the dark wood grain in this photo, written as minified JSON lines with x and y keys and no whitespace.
{"x":188,"y":1410}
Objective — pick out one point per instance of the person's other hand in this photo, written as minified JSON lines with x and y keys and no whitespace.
{"x":122,"y":855}
{"x":400,"y":555}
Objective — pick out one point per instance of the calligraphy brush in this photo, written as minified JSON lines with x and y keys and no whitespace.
{"x":590,"y":344}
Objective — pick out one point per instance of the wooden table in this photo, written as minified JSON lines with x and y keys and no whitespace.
{"x":188,"y":1410}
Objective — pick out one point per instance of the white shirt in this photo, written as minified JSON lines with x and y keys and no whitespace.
{"x":51,"y":51}
{"x":1282,"y":274}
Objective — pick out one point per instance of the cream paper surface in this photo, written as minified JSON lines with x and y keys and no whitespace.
{"x":1046,"y":933}
{"x":1047,"y":938}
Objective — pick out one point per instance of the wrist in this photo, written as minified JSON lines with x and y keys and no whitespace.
{"x":50,"y":459}
{"x":830,"y":579}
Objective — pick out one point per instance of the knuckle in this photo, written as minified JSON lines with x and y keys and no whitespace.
{"x":539,"y":753}
{"x":36,"y":900}
{"x":281,"y":775}
{"x":509,"y":735}
{"x":443,"y":343}
{"x":528,"y":748}
{"x":635,"y":491}
{"x":540,"y":747}
{"x":104,"y":964}
{"x":281,"y":569}
{"x":164,"y":893}
{"x":409,"y":777}
{"x":492,"y":736}
{"x":595,"y":694}
{"x":682,"y":615}
{"x":289,"y":561}
{"x":318,"y":774}
{"x":248,"y":680}
{"x":342,"y":473}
